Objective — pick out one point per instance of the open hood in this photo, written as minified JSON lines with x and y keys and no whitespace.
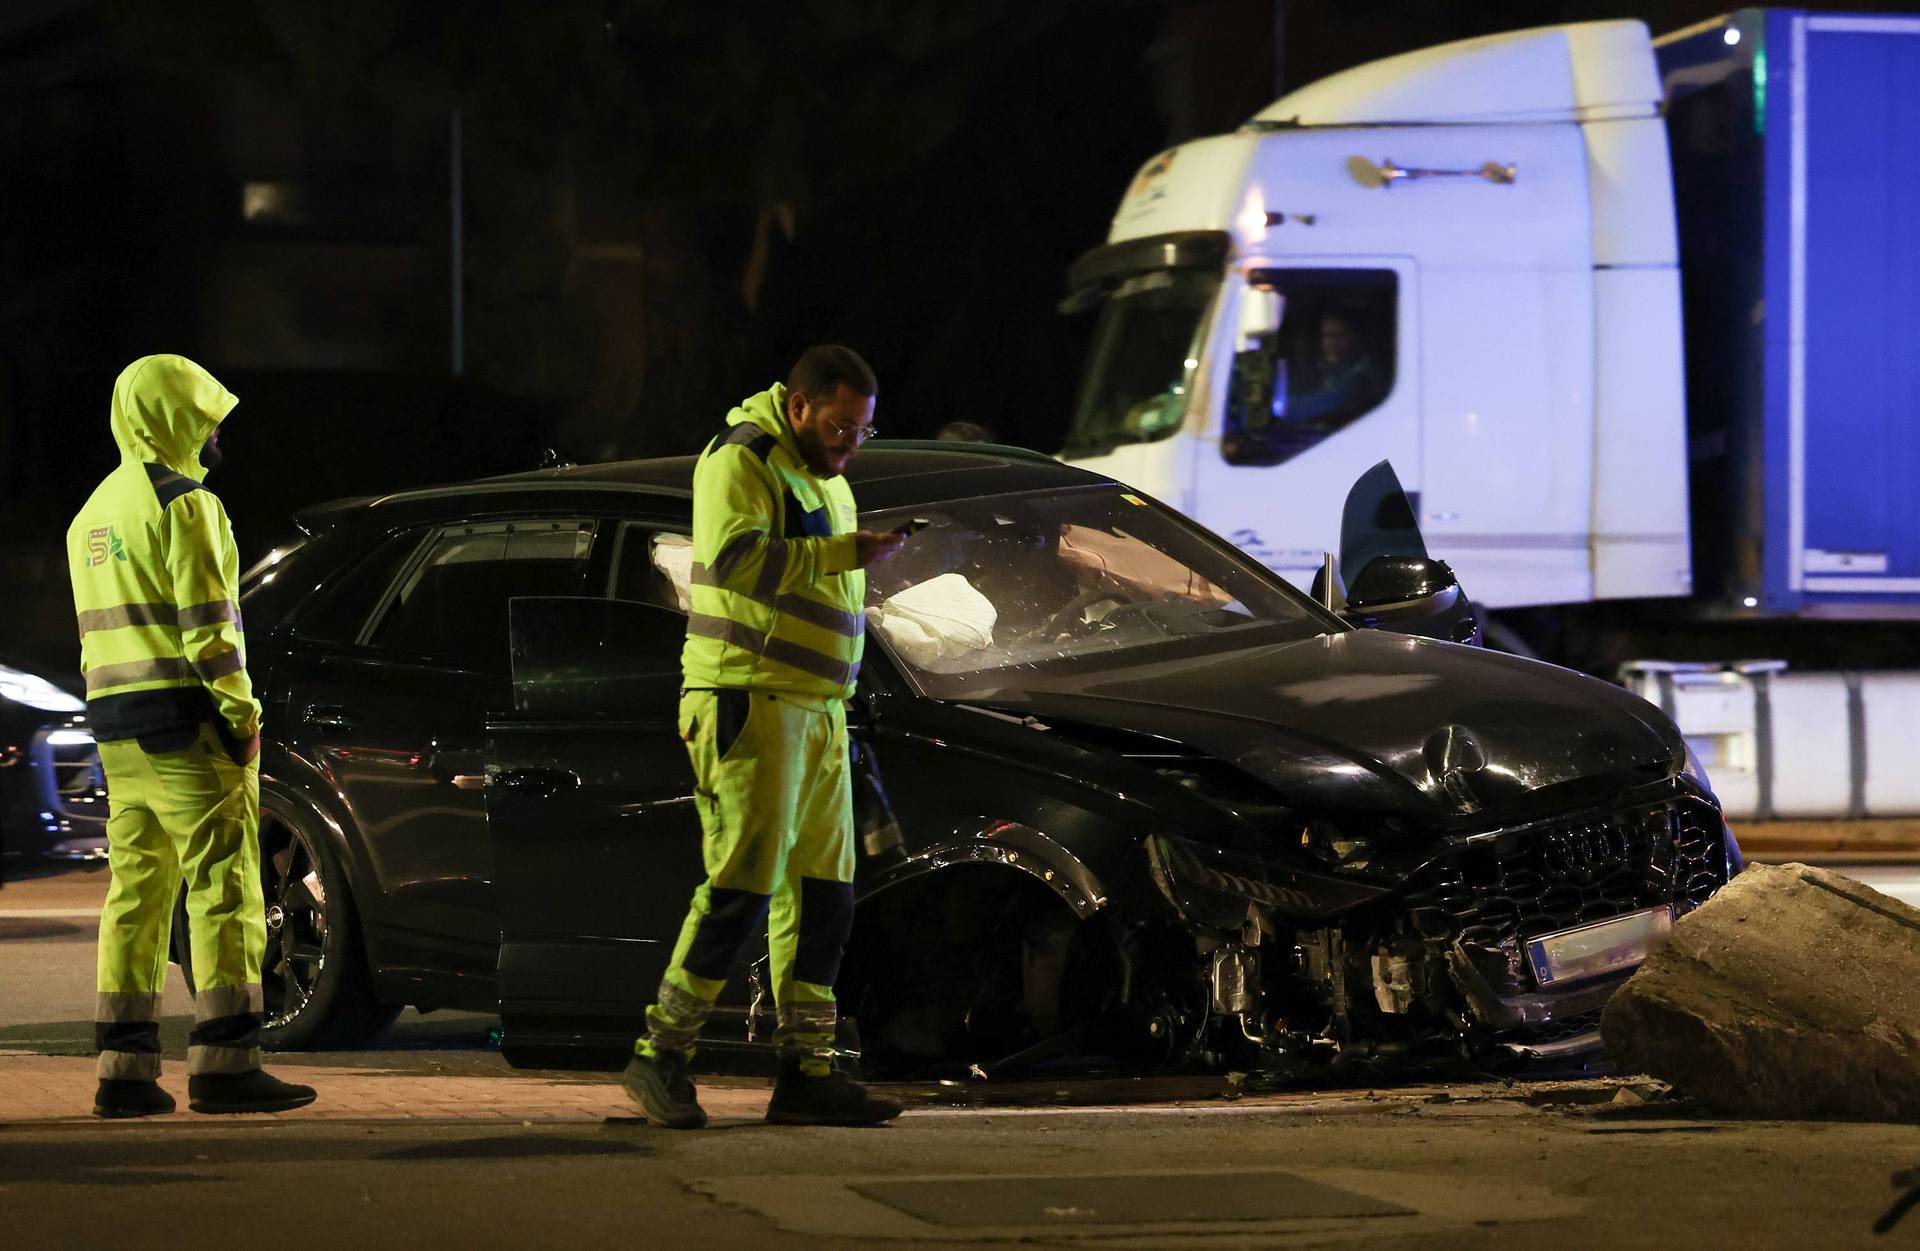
{"x":1379,"y":722}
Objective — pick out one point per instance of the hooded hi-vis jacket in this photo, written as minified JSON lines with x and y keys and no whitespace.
{"x":155,"y":571}
{"x":777,"y":602}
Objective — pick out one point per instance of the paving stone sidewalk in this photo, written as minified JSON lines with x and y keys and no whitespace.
{"x":39,"y":1090}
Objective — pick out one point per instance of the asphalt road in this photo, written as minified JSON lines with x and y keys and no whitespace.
{"x":496,"y":1158}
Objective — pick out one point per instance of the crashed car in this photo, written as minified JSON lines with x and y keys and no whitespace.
{"x":1128,"y":798}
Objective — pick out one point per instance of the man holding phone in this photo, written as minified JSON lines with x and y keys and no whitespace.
{"x":774,"y":640}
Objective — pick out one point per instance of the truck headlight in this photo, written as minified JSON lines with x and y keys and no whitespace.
{"x":36,"y":692}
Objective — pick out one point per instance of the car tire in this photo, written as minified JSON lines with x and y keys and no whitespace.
{"x":318,"y":990}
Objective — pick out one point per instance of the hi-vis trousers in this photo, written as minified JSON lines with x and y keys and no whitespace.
{"x":776,"y":809}
{"x":192,"y":814}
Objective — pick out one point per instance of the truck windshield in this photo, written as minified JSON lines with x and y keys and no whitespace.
{"x":1058,"y":586}
{"x":1141,"y":365}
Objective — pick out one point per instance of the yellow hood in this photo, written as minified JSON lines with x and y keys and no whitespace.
{"x":164,"y":407}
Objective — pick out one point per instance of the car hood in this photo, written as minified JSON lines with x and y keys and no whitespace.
{"x":1375,"y":721}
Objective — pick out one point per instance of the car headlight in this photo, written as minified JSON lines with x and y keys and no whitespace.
{"x":36,"y":692}
{"x":1697,"y":771}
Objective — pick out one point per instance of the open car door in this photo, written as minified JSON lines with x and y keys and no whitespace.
{"x":1392,"y":582}
{"x":596,"y":837}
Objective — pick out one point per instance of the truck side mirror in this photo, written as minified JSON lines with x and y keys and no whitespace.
{"x":1259,"y":367}
{"x":1262,"y":309}
{"x":1412,"y":595}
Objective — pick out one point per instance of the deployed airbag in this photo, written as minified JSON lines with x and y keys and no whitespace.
{"x":943,"y":618}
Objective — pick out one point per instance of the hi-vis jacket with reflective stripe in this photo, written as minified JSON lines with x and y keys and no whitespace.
{"x":777,"y":604}
{"x":155,"y":571}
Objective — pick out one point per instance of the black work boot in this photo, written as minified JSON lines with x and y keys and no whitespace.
{"x":663,"y":1091}
{"x":115,"y":1097}
{"x":256,"y":1091}
{"x":800,"y":1098}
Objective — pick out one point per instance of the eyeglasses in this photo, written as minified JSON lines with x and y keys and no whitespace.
{"x":858,"y":433}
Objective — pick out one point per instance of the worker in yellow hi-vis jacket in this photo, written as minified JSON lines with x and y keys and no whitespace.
{"x":156,"y":586}
{"x":773,"y":646}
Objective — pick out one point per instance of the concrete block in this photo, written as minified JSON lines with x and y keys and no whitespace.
{"x":1794,"y":992}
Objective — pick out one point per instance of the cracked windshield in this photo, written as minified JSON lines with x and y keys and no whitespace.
{"x":1077,"y":581}
{"x":1142,"y":362}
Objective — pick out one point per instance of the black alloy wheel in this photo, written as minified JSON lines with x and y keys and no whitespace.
{"x":296,"y":897}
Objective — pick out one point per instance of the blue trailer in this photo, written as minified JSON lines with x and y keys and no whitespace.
{"x":1797,"y":198}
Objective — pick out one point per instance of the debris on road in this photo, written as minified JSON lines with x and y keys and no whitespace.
{"x":1794,"y":992}
{"x":1907,"y":1181}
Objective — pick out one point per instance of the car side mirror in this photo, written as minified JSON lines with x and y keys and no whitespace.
{"x":1412,"y":595}
{"x":578,"y":654}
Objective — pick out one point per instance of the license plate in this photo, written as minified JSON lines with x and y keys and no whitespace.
{"x":1594,"y":950}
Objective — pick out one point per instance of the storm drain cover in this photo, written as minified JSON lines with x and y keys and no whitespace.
{"x":1130,"y":1199}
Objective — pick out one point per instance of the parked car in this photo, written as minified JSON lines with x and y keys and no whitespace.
{"x":1158,"y":808}
{"x":53,"y":799}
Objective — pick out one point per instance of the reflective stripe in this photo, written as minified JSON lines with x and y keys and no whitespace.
{"x":805,"y":659}
{"x":711,"y":627}
{"x":806,"y":1030}
{"x":159,"y":669}
{"x":771,"y":571}
{"x":821,"y":1015}
{"x":128,"y":1066}
{"x":213,"y":612}
{"x":797,"y":606}
{"x":737,"y":550}
{"x":220,"y":666}
{"x":125,"y":615}
{"x":119,"y":1006}
{"x":827,"y":617}
{"x":127,"y":1035}
{"x":213,"y":1002}
{"x":164,"y":669}
{"x":204,"y":1060}
{"x":676,"y":1019}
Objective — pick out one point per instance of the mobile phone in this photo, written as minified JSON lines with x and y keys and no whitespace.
{"x":912,"y":527}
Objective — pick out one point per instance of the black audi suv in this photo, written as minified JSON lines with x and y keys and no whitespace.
{"x":1129,"y":799}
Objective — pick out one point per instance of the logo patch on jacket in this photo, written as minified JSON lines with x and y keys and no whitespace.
{"x":104,"y":543}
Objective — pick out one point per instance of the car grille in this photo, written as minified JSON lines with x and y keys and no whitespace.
{"x":1514,"y":885}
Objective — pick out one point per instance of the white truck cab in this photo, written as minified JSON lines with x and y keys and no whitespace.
{"x":1463,"y":260}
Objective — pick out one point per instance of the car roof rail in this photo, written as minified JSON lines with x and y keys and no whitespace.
{"x":1006,"y":450}
{"x":314,"y":518}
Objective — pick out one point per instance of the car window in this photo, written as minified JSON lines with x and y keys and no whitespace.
{"x":650,"y":565}
{"x":267,"y":595}
{"x":339,"y":610}
{"x":454,"y":602}
{"x":1067,"y":583}
{"x":1330,"y":363}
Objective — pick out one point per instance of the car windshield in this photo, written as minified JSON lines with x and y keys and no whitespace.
{"x":1140,"y":369}
{"x":996,"y":591}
